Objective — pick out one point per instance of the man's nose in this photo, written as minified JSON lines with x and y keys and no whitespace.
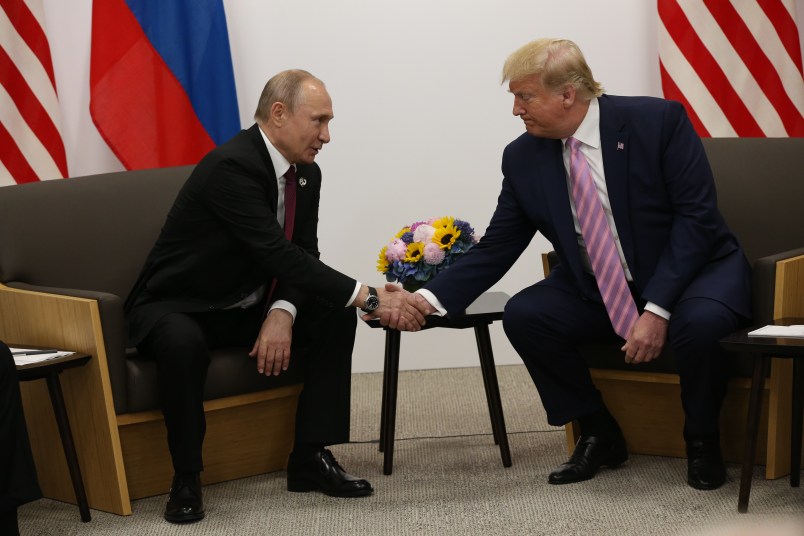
{"x":324,"y":136}
{"x":518,"y":108}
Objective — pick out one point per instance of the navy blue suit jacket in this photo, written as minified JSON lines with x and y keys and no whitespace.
{"x":663,"y":202}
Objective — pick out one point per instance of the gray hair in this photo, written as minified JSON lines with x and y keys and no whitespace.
{"x":285,"y":87}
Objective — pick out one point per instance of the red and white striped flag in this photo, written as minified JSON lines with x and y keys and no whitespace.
{"x":734,"y":64}
{"x":31,"y":147}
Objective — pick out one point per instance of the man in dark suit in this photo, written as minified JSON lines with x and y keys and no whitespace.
{"x":230,"y":250}
{"x":18,"y":483}
{"x":658,"y":266}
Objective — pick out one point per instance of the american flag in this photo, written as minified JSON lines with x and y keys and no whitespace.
{"x":734,"y":64}
{"x":31,"y":147}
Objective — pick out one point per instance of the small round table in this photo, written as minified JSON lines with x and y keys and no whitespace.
{"x":762,"y":349}
{"x":50,"y":370}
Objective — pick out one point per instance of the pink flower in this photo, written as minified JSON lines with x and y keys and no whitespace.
{"x":424,"y":233}
{"x":433,"y":254}
{"x":397,"y":250}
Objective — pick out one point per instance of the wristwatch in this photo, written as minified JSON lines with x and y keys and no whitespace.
{"x":372,"y":301}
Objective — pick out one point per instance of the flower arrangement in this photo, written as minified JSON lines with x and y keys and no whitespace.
{"x":423,"y":249}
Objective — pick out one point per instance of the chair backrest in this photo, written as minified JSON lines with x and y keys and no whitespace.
{"x":88,"y":233}
{"x":760,"y":186}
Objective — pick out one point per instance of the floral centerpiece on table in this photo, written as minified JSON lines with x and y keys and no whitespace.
{"x":423,"y":249}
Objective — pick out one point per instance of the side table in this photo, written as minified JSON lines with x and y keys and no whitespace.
{"x":485,"y":310}
{"x":762,"y":349}
{"x":50,"y":370}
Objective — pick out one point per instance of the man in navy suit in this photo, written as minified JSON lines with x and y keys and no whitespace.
{"x":230,"y":251}
{"x":686,"y":272}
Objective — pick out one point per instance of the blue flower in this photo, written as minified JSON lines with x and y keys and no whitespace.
{"x":413,"y":274}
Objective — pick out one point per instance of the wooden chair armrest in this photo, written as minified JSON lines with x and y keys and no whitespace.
{"x":789,"y":292}
{"x":52,"y":320}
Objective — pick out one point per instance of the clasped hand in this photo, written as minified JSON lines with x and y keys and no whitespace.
{"x":399,"y":309}
{"x":646,"y":340}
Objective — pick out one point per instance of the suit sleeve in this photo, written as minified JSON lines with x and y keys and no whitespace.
{"x":696,"y":223}
{"x":506,"y":237}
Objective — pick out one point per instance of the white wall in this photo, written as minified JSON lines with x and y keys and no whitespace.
{"x":421,"y":117}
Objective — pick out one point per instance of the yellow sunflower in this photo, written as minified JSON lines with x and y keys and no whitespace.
{"x":402,"y":231}
{"x":445,"y":236}
{"x":446,"y":221}
{"x":415,"y":252}
{"x":382,"y":262}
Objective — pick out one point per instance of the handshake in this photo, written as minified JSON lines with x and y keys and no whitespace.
{"x":400,"y":309}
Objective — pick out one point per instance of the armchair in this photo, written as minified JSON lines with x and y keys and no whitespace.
{"x":71,"y":251}
{"x":760,"y":193}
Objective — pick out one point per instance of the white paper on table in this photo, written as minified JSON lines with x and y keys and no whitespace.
{"x":795,"y":331}
{"x":26,"y":356}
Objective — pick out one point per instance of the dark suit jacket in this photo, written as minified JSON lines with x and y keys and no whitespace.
{"x":221,"y":240}
{"x":663,"y":202}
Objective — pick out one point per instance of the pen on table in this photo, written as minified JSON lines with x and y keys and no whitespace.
{"x":33,"y":352}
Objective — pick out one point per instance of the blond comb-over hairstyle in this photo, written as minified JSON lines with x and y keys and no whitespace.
{"x":557,"y":62}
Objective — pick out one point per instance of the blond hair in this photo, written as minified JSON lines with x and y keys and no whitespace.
{"x":285,"y":87}
{"x":557,"y":62}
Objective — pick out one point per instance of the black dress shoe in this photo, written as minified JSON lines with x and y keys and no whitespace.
{"x":591,"y":453}
{"x":705,"y":467}
{"x":319,"y":471}
{"x":185,"y":503}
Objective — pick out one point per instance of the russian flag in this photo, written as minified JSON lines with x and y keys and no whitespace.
{"x":162,"y":89}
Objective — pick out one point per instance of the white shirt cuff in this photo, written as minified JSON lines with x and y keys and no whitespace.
{"x":659,"y":311}
{"x":358,"y":284}
{"x":432,"y":300}
{"x":285,"y":306}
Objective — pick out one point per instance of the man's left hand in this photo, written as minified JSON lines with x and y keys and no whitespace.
{"x":272,"y":347}
{"x":647,"y":339}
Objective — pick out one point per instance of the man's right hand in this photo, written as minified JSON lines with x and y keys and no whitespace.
{"x":399,"y":309}
{"x":272,"y":347}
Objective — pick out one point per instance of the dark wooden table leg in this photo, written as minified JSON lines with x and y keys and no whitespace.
{"x":798,"y":415}
{"x":751,"y":430}
{"x":389,"y":395}
{"x":57,"y":400}
{"x":495,"y":429}
{"x":492,"y":391}
{"x":384,"y":408}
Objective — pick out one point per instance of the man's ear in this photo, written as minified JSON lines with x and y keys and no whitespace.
{"x":278,"y":114}
{"x":568,"y":96}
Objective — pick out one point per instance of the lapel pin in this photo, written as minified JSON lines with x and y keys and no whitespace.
{"x":302,"y":182}
{"x":620,"y":146}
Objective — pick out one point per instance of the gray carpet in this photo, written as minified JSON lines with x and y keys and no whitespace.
{"x":448,"y":479}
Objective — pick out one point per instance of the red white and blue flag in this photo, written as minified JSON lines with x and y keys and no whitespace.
{"x":734,"y":64}
{"x":162,"y":89}
{"x":31,"y":147}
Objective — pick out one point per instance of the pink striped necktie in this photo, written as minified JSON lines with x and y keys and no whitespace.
{"x":600,"y":244}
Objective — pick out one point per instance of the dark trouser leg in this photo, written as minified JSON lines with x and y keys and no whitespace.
{"x":695,"y":327}
{"x":179,"y":348}
{"x":18,"y":483}
{"x":544,"y":324}
{"x":323,"y":337}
